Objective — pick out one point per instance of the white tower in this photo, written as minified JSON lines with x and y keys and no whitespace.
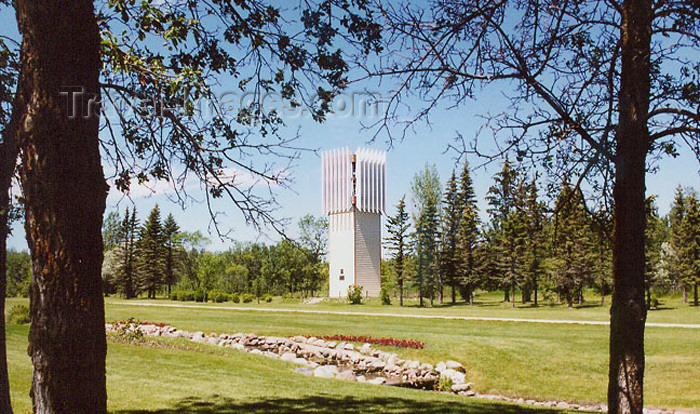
{"x":353,"y":195}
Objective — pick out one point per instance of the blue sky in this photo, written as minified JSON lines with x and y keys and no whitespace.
{"x":423,"y":144}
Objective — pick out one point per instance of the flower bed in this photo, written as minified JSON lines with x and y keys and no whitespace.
{"x":387,"y":341}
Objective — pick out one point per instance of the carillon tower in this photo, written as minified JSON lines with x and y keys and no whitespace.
{"x":353,"y":196}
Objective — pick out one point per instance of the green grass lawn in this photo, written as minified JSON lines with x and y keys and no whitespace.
{"x":539,"y":361}
{"x":487,"y":304}
{"x":144,"y":380}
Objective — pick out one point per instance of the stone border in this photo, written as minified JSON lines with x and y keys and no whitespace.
{"x":345,"y":361}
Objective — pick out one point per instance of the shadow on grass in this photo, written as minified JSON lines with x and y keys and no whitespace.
{"x":321,"y":404}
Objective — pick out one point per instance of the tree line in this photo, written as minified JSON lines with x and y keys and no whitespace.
{"x":556,"y":247}
{"x":157,"y":258}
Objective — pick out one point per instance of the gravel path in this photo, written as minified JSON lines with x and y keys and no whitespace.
{"x":400,"y":315}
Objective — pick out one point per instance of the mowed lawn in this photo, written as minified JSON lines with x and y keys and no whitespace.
{"x":539,"y":361}
{"x":487,"y":305}
{"x":144,"y":380}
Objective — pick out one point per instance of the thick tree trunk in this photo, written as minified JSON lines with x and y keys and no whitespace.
{"x":628,"y":311}
{"x":8,"y":157}
{"x":65,"y":192}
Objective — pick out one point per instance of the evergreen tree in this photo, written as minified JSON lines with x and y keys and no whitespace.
{"x":690,"y":250}
{"x":151,"y":257}
{"x":654,"y":237}
{"x":676,"y":216}
{"x":398,"y":242}
{"x":508,"y":229}
{"x":171,"y":246}
{"x":426,"y":197}
{"x":450,"y":226}
{"x":535,"y":246}
{"x":467,"y":251}
{"x":126,"y":277}
{"x":574,"y":252}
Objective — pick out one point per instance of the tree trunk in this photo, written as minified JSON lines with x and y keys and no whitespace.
{"x":506,"y":297}
{"x":685,"y":294}
{"x":628,"y":311}
{"x":695,"y":294}
{"x":454,"y":290}
{"x":512,"y":296}
{"x":400,"y":291}
{"x":535,"y":289}
{"x":8,"y":161}
{"x":65,"y":192}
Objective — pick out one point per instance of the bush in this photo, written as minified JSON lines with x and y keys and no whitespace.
{"x":235,"y":297}
{"x":355,"y":295}
{"x":200,"y":296}
{"x":173,"y":295}
{"x":445,"y":384}
{"x":184,"y":295}
{"x":247,"y":297}
{"x":386,"y":298}
{"x":218,"y":296}
{"x":267,"y":297}
{"x":19,"y":314}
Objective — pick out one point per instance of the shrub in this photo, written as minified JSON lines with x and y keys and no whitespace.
{"x":19,"y":314}
{"x":185,"y":295}
{"x":445,"y":384}
{"x":173,"y":295}
{"x":247,"y":297}
{"x":654,"y":303}
{"x":355,"y":295}
{"x":200,"y":296}
{"x":386,"y":298}
{"x":235,"y":297}
{"x":267,"y":297}
{"x":218,"y":296}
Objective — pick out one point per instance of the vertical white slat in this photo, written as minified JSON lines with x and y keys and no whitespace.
{"x":384,"y":182}
{"x":372,"y":185}
{"x":336,"y":175}
{"x":323,"y":183}
{"x":363,"y":163}
{"x":346,"y":179}
{"x":331,"y":157}
{"x":358,"y":178}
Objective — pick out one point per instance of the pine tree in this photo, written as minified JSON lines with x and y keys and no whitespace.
{"x":654,"y":237}
{"x":676,"y":216}
{"x":397,"y":227}
{"x":508,"y":230}
{"x":171,"y":247}
{"x":690,"y":248}
{"x":126,"y":281}
{"x":535,"y":247}
{"x":451,"y":217}
{"x":426,"y":197}
{"x":150,"y":251}
{"x":574,"y":249}
{"x":467,"y":251}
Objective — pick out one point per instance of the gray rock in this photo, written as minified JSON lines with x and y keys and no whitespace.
{"x":346,"y":375}
{"x":300,"y":361}
{"x":214,"y":340}
{"x":562,"y":405}
{"x":288,"y":356}
{"x":326,"y":371}
{"x":457,"y":388}
{"x":361,"y":378}
{"x":377,"y":381}
{"x":455,"y":366}
{"x":305,"y":371}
